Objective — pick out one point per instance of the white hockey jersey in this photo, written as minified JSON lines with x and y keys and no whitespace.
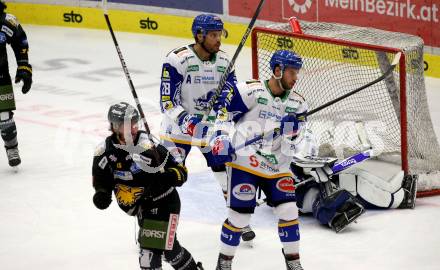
{"x":255,"y":110}
{"x":187,"y":84}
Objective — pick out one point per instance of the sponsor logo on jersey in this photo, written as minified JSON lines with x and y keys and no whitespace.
{"x":262,"y":100}
{"x":103,"y":163}
{"x":5,"y":97}
{"x":148,"y":24}
{"x":172,"y":229}
{"x":269,"y":115}
{"x":7,"y":31}
{"x":192,"y":68}
{"x":221,"y":69}
{"x":119,"y":165}
{"x":113,"y":158}
{"x":269,"y":157}
{"x":290,"y":110}
{"x":126,"y":195}
{"x":153,"y":234}
{"x":72,"y":17}
{"x":244,"y":192}
{"x":123,"y":175}
{"x":286,"y":184}
{"x":2,"y":38}
{"x":134,"y":168}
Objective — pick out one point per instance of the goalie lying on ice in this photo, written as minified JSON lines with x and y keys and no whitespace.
{"x":337,"y":195}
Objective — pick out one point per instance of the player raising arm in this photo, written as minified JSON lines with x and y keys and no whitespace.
{"x":141,"y":190}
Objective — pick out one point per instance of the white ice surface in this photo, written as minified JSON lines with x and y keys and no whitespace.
{"x":47,"y":218}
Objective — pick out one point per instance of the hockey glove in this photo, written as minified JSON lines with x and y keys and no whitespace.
{"x":191,"y":124}
{"x":24,"y":73}
{"x":102,"y":199}
{"x":176,"y":175}
{"x":289,"y":126}
{"x":221,"y":149}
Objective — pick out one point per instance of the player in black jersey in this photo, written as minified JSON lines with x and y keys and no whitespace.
{"x":12,"y":33}
{"x":145,"y":187}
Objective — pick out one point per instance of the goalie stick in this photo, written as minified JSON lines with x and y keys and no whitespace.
{"x":130,"y":82}
{"x":231,"y":64}
{"x":382,"y":77}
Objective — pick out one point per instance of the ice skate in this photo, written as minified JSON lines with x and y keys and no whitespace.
{"x":13,"y":156}
{"x":224,"y":262}
{"x":409,"y":186}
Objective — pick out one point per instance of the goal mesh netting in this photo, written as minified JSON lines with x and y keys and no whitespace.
{"x":391,"y":117}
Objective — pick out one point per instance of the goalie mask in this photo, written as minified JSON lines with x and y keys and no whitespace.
{"x":120,"y":112}
{"x":204,"y":23}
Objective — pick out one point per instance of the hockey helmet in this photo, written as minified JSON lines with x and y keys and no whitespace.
{"x":284,"y":59}
{"x":120,"y":112}
{"x":2,"y":6}
{"x":206,"y":22}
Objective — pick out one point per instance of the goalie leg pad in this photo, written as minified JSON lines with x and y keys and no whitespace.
{"x":376,"y":191}
{"x":326,"y":209}
{"x":348,"y":213}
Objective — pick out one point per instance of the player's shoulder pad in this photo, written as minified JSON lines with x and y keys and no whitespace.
{"x":12,"y":20}
{"x":100,"y":149}
{"x":179,"y":56}
{"x":297,"y":96}
{"x":251,"y":86}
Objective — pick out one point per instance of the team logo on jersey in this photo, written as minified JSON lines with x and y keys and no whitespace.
{"x":286,"y":184}
{"x":165,"y":73}
{"x":300,"y":8}
{"x":123,"y":175}
{"x":127,"y":196}
{"x":244,"y":192}
{"x":201,"y":103}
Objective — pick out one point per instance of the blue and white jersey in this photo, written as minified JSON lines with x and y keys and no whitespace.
{"x":187,"y":84}
{"x":255,"y":110}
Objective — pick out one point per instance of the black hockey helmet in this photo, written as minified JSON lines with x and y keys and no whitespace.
{"x":120,"y":112}
{"x":2,"y":6}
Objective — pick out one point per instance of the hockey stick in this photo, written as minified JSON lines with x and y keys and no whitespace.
{"x":383,"y":76}
{"x":231,"y":64}
{"x":130,"y":82}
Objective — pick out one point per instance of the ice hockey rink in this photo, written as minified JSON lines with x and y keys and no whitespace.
{"x":48,"y":220}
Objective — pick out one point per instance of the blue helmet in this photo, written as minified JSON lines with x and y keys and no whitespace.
{"x":206,"y":22}
{"x":285,"y":58}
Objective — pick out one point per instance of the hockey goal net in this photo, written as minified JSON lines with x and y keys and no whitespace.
{"x":390,"y":117}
